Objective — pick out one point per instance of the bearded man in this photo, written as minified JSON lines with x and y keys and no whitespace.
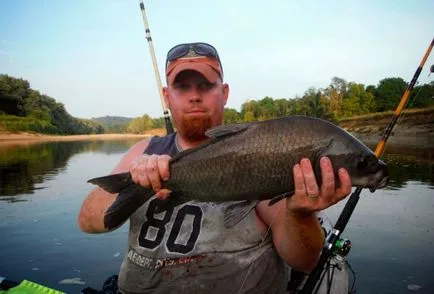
{"x":187,"y":248}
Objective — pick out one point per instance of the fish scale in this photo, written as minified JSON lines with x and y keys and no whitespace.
{"x":253,"y":162}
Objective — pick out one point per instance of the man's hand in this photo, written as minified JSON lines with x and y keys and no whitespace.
{"x":149,"y":170}
{"x":308,"y":197}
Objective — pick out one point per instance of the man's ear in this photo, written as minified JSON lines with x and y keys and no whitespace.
{"x":225,"y":92}
{"x":166,"y":96}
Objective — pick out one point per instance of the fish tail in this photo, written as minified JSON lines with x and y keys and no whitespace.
{"x":113,"y":183}
{"x":125,"y":204}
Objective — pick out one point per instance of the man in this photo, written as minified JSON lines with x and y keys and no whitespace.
{"x":187,"y":249}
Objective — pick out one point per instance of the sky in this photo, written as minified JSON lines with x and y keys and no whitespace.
{"x":92,"y":55}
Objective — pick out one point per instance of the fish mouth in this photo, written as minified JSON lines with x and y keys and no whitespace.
{"x":380,"y":185}
{"x":378,"y":181}
{"x":383,"y":182}
{"x":381,"y":178}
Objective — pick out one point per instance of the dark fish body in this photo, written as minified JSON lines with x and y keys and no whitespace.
{"x":252,"y":161}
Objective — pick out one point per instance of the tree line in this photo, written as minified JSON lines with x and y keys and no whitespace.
{"x":341,"y":99}
{"x":25,"y":109}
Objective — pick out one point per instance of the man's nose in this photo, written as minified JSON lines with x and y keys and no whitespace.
{"x":195,"y":95}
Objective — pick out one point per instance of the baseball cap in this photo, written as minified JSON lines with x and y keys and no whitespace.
{"x":200,"y":57}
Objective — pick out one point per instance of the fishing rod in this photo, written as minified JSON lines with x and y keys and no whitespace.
{"x":330,"y":245}
{"x":167,"y":122}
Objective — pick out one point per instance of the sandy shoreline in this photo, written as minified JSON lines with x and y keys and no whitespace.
{"x":419,"y":136}
{"x":29,"y":136}
{"x":7,"y":139}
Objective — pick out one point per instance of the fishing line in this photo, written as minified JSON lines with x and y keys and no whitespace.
{"x":327,"y":271}
{"x":410,"y":101}
{"x":330,"y":276}
{"x":262,"y":243}
{"x":354,"y":278}
{"x":405,"y":112}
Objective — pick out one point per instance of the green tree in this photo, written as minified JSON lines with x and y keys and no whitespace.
{"x":158,"y":123}
{"x":422,"y":96}
{"x":13,"y":93}
{"x":140,"y":124}
{"x":248,"y":116}
{"x":231,"y":116}
{"x":357,"y":100}
{"x":335,"y":94}
{"x":246,"y":113}
{"x":388,"y":93}
{"x":282,"y":107}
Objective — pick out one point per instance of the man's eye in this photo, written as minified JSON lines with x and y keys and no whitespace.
{"x":206,"y":86}
{"x":182,"y":86}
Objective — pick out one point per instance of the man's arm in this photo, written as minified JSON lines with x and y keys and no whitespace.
{"x":297,"y":234}
{"x":91,"y":216}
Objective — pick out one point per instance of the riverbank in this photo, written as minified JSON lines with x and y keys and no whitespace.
{"x":7,"y":139}
{"x":415,"y":128}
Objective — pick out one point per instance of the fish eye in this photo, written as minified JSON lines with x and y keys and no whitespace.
{"x":362,"y":164}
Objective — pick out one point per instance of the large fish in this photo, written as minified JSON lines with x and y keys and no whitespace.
{"x":251,"y":161}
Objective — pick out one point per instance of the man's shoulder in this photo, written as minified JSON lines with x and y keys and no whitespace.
{"x":163,"y":145}
{"x":158,"y":139}
{"x":152,"y":142}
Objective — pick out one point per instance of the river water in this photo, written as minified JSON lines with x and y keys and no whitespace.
{"x":43,"y":185}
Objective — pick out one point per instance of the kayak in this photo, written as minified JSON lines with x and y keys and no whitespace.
{"x":335,"y":280}
{"x":335,"y":277}
{"x":24,"y":287}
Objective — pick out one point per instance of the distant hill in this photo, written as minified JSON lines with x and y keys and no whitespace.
{"x":113,"y":124}
{"x":109,"y":121}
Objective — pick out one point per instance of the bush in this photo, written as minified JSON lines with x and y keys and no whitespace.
{"x":13,"y":123}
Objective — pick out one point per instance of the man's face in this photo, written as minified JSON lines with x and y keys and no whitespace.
{"x":195,"y":103}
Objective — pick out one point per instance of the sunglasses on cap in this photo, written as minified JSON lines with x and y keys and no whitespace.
{"x":201,"y":49}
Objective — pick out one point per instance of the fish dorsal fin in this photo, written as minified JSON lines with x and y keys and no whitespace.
{"x":226,"y":130}
{"x":214,"y":133}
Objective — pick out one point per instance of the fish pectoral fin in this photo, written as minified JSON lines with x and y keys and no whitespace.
{"x":125,"y":204}
{"x":226,"y":130}
{"x":277,"y":198}
{"x":236,"y":212}
{"x":113,"y":183}
{"x":173,"y":200}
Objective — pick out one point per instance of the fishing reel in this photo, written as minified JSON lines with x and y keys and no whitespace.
{"x":342,"y":247}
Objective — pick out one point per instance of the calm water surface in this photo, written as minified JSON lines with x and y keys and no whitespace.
{"x":42,"y":187}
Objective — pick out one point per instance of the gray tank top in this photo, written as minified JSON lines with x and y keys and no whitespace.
{"x":187,"y":249}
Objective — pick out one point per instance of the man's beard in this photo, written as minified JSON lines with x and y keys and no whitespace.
{"x":194,"y":128}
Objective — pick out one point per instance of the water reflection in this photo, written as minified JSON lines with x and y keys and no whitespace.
{"x":392,"y":230}
{"x":22,"y":168}
{"x":404,"y":168}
